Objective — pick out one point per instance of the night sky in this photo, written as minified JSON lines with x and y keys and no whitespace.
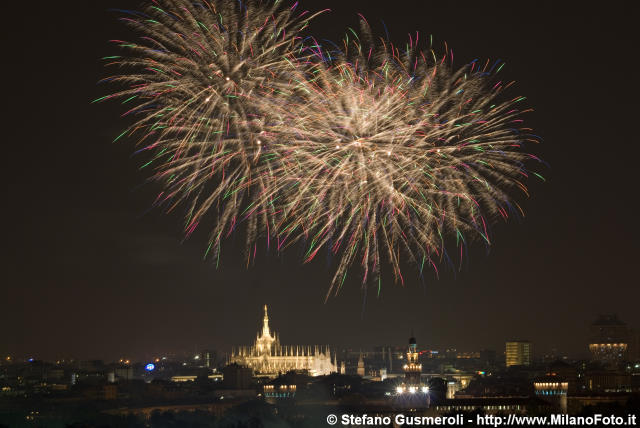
{"x":89,"y":271}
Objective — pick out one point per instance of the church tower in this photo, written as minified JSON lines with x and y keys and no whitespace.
{"x":412,"y":393}
{"x":412,"y":369}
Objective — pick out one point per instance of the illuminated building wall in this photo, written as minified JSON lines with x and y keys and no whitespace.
{"x":553,"y":390}
{"x":609,"y":339}
{"x":272,"y":392}
{"x":608,"y":381}
{"x":518,"y":353}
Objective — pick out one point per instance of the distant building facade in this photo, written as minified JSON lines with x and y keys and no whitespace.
{"x":518,"y":353}
{"x":608,"y":381}
{"x":609,"y":339}
{"x":268,"y":358}
{"x":552,"y":389}
{"x":633,"y":353}
{"x":236,"y":376}
{"x":360,"y":370}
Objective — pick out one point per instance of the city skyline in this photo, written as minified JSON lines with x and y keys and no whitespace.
{"x":227,"y":352}
{"x":93,"y":272}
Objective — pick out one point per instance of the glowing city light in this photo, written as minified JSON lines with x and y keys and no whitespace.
{"x":399,"y":390}
{"x":150,"y":367}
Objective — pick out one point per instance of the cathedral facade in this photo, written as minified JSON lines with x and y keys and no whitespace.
{"x":267,"y":357}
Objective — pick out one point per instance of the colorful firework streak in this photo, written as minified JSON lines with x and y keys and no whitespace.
{"x":391,"y":152}
{"x":193,"y":79}
{"x":377,"y":155}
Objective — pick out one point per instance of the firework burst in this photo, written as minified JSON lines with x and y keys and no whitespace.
{"x":375,"y":155}
{"x":390,"y":153}
{"x":194,"y":77}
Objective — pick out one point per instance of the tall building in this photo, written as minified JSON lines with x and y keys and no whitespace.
{"x":412,"y":369}
{"x":268,"y":358}
{"x":208,"y":358}
{"x":412,"y":392}
{"x":609,"y":339}
{"x":518,"y":353}
{"x":360,"y":370}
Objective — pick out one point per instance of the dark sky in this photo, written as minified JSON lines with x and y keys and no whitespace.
{"x":89,"y":272}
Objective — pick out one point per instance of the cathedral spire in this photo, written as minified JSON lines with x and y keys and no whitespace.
{"x":268,"y":356}
{"x":265,"y":325}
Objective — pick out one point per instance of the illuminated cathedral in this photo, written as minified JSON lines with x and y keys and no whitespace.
{"x":268,"y":358}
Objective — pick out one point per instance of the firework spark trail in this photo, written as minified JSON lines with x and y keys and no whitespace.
{"x":195,"y":74}
{"x":375,"y":155}
{"x":392,"y":153}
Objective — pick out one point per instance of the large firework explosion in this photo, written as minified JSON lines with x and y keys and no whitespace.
{"x":376,"y":155}
{"x":193,"y":77}
{"x":392,"y":152}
